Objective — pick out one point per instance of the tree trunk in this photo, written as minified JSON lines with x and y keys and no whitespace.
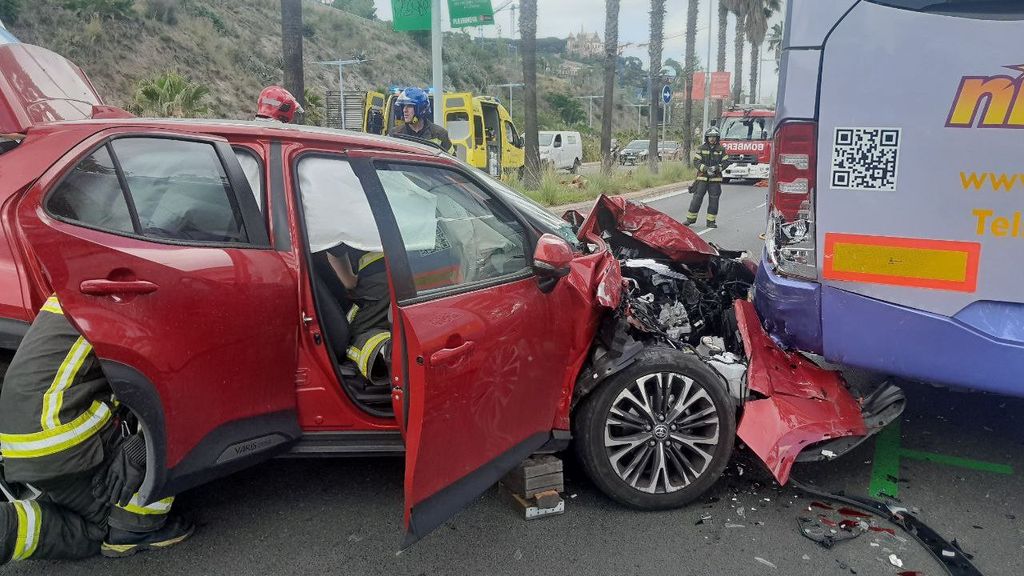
{"x":657,"y":37}
{"x":611,"y":57}
{"x":755,"y":69}
{"x":691,"y":65}
{"x":291,"y":46}
{"x":723,"y":33}
{"x":737,"y":80}
{"x":528,"y":34}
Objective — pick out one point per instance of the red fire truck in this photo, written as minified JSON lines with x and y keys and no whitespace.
{"x":746,"y":134}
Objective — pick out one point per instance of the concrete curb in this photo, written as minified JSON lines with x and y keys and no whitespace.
{"x":664,"y":191}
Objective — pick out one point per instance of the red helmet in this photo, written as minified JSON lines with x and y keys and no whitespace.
{"x":278,"y":104}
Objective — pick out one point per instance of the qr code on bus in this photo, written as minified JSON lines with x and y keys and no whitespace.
{"x":865,"y":158}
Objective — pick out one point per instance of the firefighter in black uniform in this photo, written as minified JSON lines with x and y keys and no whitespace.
{"x":711,"y":159}
{"x":62,"y":433}
{"x":364,"y":276}
{"x":414,"y":107}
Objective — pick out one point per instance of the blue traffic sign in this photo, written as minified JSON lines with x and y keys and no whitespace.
{"x":666,"y":94}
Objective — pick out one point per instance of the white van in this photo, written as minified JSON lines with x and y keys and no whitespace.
{"x":894,"y":233}
{"x":561,"y":150}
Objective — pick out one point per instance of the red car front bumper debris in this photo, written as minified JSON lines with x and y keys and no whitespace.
{"x":797,"y":403}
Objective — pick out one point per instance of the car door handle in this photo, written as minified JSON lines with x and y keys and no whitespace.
{"x":446,"y":355}
{"x":116,"y":287}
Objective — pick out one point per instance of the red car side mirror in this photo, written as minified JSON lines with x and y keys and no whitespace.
{"x":552,"y":257}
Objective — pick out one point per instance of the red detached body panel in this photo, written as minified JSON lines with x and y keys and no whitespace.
{"x":38,"y":86}
{"x":804,"y":404}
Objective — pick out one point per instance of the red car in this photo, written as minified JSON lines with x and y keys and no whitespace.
{"x":189,"y":254}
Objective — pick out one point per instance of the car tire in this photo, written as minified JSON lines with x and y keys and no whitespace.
{"x":616,"y":450}
{"x":575,"y":166}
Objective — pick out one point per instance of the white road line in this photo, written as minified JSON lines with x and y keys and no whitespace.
{"x":704,"y":231}
{"x":762,"y":204}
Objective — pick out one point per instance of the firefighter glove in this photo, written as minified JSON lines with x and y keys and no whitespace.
{"x":703,"y":168}
{"x":118,"y":483}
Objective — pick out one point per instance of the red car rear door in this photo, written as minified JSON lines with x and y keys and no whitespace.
{"x":479,"y":359}
{"x":156,"y":248}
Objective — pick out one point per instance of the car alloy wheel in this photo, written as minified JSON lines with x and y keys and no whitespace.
{"x":657,"y":434}
{"x":661,"y":433}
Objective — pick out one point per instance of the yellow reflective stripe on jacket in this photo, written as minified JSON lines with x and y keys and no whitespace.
{"x":53,"y":399}
{"x":155,"y":509}
{"x":353,"y":354}
{"x":351,"y":316}
{"x":369,"y":258}
{"x":29,"y":523}
{"x":56,"y":439}
{"x":52,"y":305}
{"x":366,"y":354}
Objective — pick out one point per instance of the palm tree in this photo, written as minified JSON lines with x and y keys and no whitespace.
{"x":657,"y":38}
{"x":170,"y":95}
{"x":314,"y":108}
{"x":611,"y":57}
{"x":528,"y":39}
{"x":291,"y":48}
{"x":691,"y":61}
{"x":775,"y":43}
{"x":758,"y":14}
{"x":723,"y":32}
{"x":739,"y":8}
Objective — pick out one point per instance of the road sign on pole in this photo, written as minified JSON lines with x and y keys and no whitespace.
{"x":411,"y":14}
{"x":465,"y":13}
{"x":666,"y":94}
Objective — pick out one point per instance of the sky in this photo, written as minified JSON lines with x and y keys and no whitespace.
{"x":559,"y":18}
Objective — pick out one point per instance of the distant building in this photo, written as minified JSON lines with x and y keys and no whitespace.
{"x":570,"y":69}
{"x":585,"y":45}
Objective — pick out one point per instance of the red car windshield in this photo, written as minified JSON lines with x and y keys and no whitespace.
{"x":747,"y":128}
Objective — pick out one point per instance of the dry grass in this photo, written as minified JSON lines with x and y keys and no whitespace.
{"x":558,"y":188}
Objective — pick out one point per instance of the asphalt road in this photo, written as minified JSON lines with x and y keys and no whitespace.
{"x":345,"y":516}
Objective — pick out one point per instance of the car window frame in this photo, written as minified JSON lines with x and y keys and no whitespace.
{"x":248,"y":212}
{"x":364,"y":163}
{"x":264,"y":192}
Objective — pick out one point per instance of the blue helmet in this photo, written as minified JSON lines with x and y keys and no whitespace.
{"x":413,"y":97}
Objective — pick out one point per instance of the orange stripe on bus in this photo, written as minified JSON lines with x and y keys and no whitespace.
{"x":912,"y":262}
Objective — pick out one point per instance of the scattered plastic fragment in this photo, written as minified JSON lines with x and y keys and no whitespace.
{"x":806,"y":557}
{"x":765,"y":562}
{"x":704,"y":519}
{"x":735,"y":526}
{"x":828,"y":454}
{"x":895,"y":561}
{"x":949,"y":553}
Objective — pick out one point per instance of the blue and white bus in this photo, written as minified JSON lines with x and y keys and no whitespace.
{"x":895,"y":238}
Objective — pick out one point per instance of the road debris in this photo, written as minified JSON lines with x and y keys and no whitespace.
{"x":895,"y":561}
{"x":765,"y":562}
{"x":956,"y":565}
{"x":704,"y":519}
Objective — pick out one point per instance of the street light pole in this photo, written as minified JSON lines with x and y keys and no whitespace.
{"x":638,"y":107}
{"x":707,"y":72}
{"x":436,"y":64}
{"x":510,"y":86}
{"x":341,"y":83}
{"x":590,"y":112}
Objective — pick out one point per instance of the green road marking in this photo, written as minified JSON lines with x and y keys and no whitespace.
{"x":957,"y":462}
{"x":886,"y":468}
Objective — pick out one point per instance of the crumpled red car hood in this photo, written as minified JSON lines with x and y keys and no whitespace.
{"x":651,"y":227}
{"x":803,"y":404}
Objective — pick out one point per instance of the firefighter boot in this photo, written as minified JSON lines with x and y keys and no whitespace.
{"x":711,"y":224}
{"x":122,"y":543}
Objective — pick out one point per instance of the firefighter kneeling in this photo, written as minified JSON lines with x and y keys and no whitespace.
{"x":712,"y":159}
{"x":62,"y":433}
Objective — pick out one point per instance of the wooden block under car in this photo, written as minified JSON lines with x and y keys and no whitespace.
{"x":535,"y":475}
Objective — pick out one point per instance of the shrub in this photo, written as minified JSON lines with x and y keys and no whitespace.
{"x":165,"y":11}
{"x":111,"y":9}
{"x":9,"y":10}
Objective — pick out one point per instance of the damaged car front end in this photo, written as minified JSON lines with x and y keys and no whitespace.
{"x":683,"y":294}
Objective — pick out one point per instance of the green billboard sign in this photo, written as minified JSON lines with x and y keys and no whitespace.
{"x":410,"y":15}
{"x":465,"y":13}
